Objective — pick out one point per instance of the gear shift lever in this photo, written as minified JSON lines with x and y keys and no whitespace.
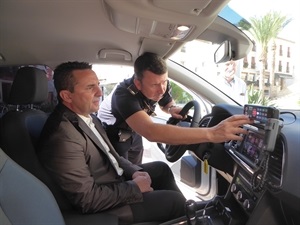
{"x":190,"y":211}
{"x":191,"y":208}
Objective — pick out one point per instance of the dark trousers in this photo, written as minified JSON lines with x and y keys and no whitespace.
{"x":166,"y":202}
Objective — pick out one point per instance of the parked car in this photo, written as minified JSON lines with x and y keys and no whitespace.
{"x":250,"y":182}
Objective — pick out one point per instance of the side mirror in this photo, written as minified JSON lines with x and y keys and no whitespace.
{"x":223,"y":53}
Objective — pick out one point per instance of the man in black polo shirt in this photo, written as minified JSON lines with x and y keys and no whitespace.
{"x":126,"y":113}
{"x":128,"y":99}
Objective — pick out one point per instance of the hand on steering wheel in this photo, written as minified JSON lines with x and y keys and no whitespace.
{"x":175,"y":152}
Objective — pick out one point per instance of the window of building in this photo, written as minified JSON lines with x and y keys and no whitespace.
{"x":280,"y":50}
{"x":252,"y":62}
{"x":287,"y":67}
{"x":288,"y":52}
{"x":280,"y":66}
{"x":245,"y":63}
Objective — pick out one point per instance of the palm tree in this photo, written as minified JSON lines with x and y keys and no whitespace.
{"x":264,"y":30}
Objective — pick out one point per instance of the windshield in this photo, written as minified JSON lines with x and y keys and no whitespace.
{"x":269,"y":74}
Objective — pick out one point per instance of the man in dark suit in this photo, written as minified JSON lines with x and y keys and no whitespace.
{"x":76,"y":151}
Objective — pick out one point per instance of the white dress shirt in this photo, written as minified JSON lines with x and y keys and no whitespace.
{"x":89,"y":122}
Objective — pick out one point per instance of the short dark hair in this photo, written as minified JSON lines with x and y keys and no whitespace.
{"x":63,"y":75}
{"x":149,"y":61}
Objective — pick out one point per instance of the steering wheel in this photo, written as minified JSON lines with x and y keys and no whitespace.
{"x":175,"y":152}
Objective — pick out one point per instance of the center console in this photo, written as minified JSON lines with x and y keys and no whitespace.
{"x":253,"y":152}
{"x":249,"y":183}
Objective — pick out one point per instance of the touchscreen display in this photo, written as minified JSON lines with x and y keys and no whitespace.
{"x":261,"y":114}
{"x":252,"y":146}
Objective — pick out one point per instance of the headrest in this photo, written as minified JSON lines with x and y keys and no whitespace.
{"x":30,"y":86}
{"x":3,"y":159}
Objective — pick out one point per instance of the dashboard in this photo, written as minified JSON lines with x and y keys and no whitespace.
{"x":266,"y":168}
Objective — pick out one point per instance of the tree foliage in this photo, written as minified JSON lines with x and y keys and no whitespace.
{"x":179,"y":95}
{"x":257,"y":97}
{"x":264,"y":29}
{"x":267,"y":27}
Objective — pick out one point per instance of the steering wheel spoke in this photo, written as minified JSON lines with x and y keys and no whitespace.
{"x":175,"y":152}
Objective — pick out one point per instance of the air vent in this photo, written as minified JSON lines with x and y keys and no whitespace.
{"x":205,"y":122}
{"x":276,"y":164}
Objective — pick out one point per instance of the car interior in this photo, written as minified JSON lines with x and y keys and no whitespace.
{"x":256,"y":180}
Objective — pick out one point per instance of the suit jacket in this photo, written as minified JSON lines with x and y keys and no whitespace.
{"x":74,"y":157}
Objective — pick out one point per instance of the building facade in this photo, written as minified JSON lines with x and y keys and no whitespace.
{"x":281,"y":53}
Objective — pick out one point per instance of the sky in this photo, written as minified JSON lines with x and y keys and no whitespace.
{"x":260,"y":7}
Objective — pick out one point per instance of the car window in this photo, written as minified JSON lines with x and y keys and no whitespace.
{"x":112,"y":75}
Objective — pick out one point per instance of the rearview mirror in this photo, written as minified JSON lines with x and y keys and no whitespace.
{"x":223,"y":53}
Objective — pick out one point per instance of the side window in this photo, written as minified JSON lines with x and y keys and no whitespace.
{"x":110,"y":75}
{"x":107,"y":89}
{"x":51,"y":101}
{"x":182,"y":95}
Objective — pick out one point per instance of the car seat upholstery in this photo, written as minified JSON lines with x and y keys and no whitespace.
{"x":20,"y":127}
{"x":24,"y":199}
{"x":19,"y":131}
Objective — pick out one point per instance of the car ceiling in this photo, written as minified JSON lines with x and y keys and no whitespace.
{"x":106,"y":31}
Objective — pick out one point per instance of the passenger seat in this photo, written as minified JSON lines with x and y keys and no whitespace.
{"x":24,"y":199}
{"x":19,"y":132}
{"x":20,"y":127}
